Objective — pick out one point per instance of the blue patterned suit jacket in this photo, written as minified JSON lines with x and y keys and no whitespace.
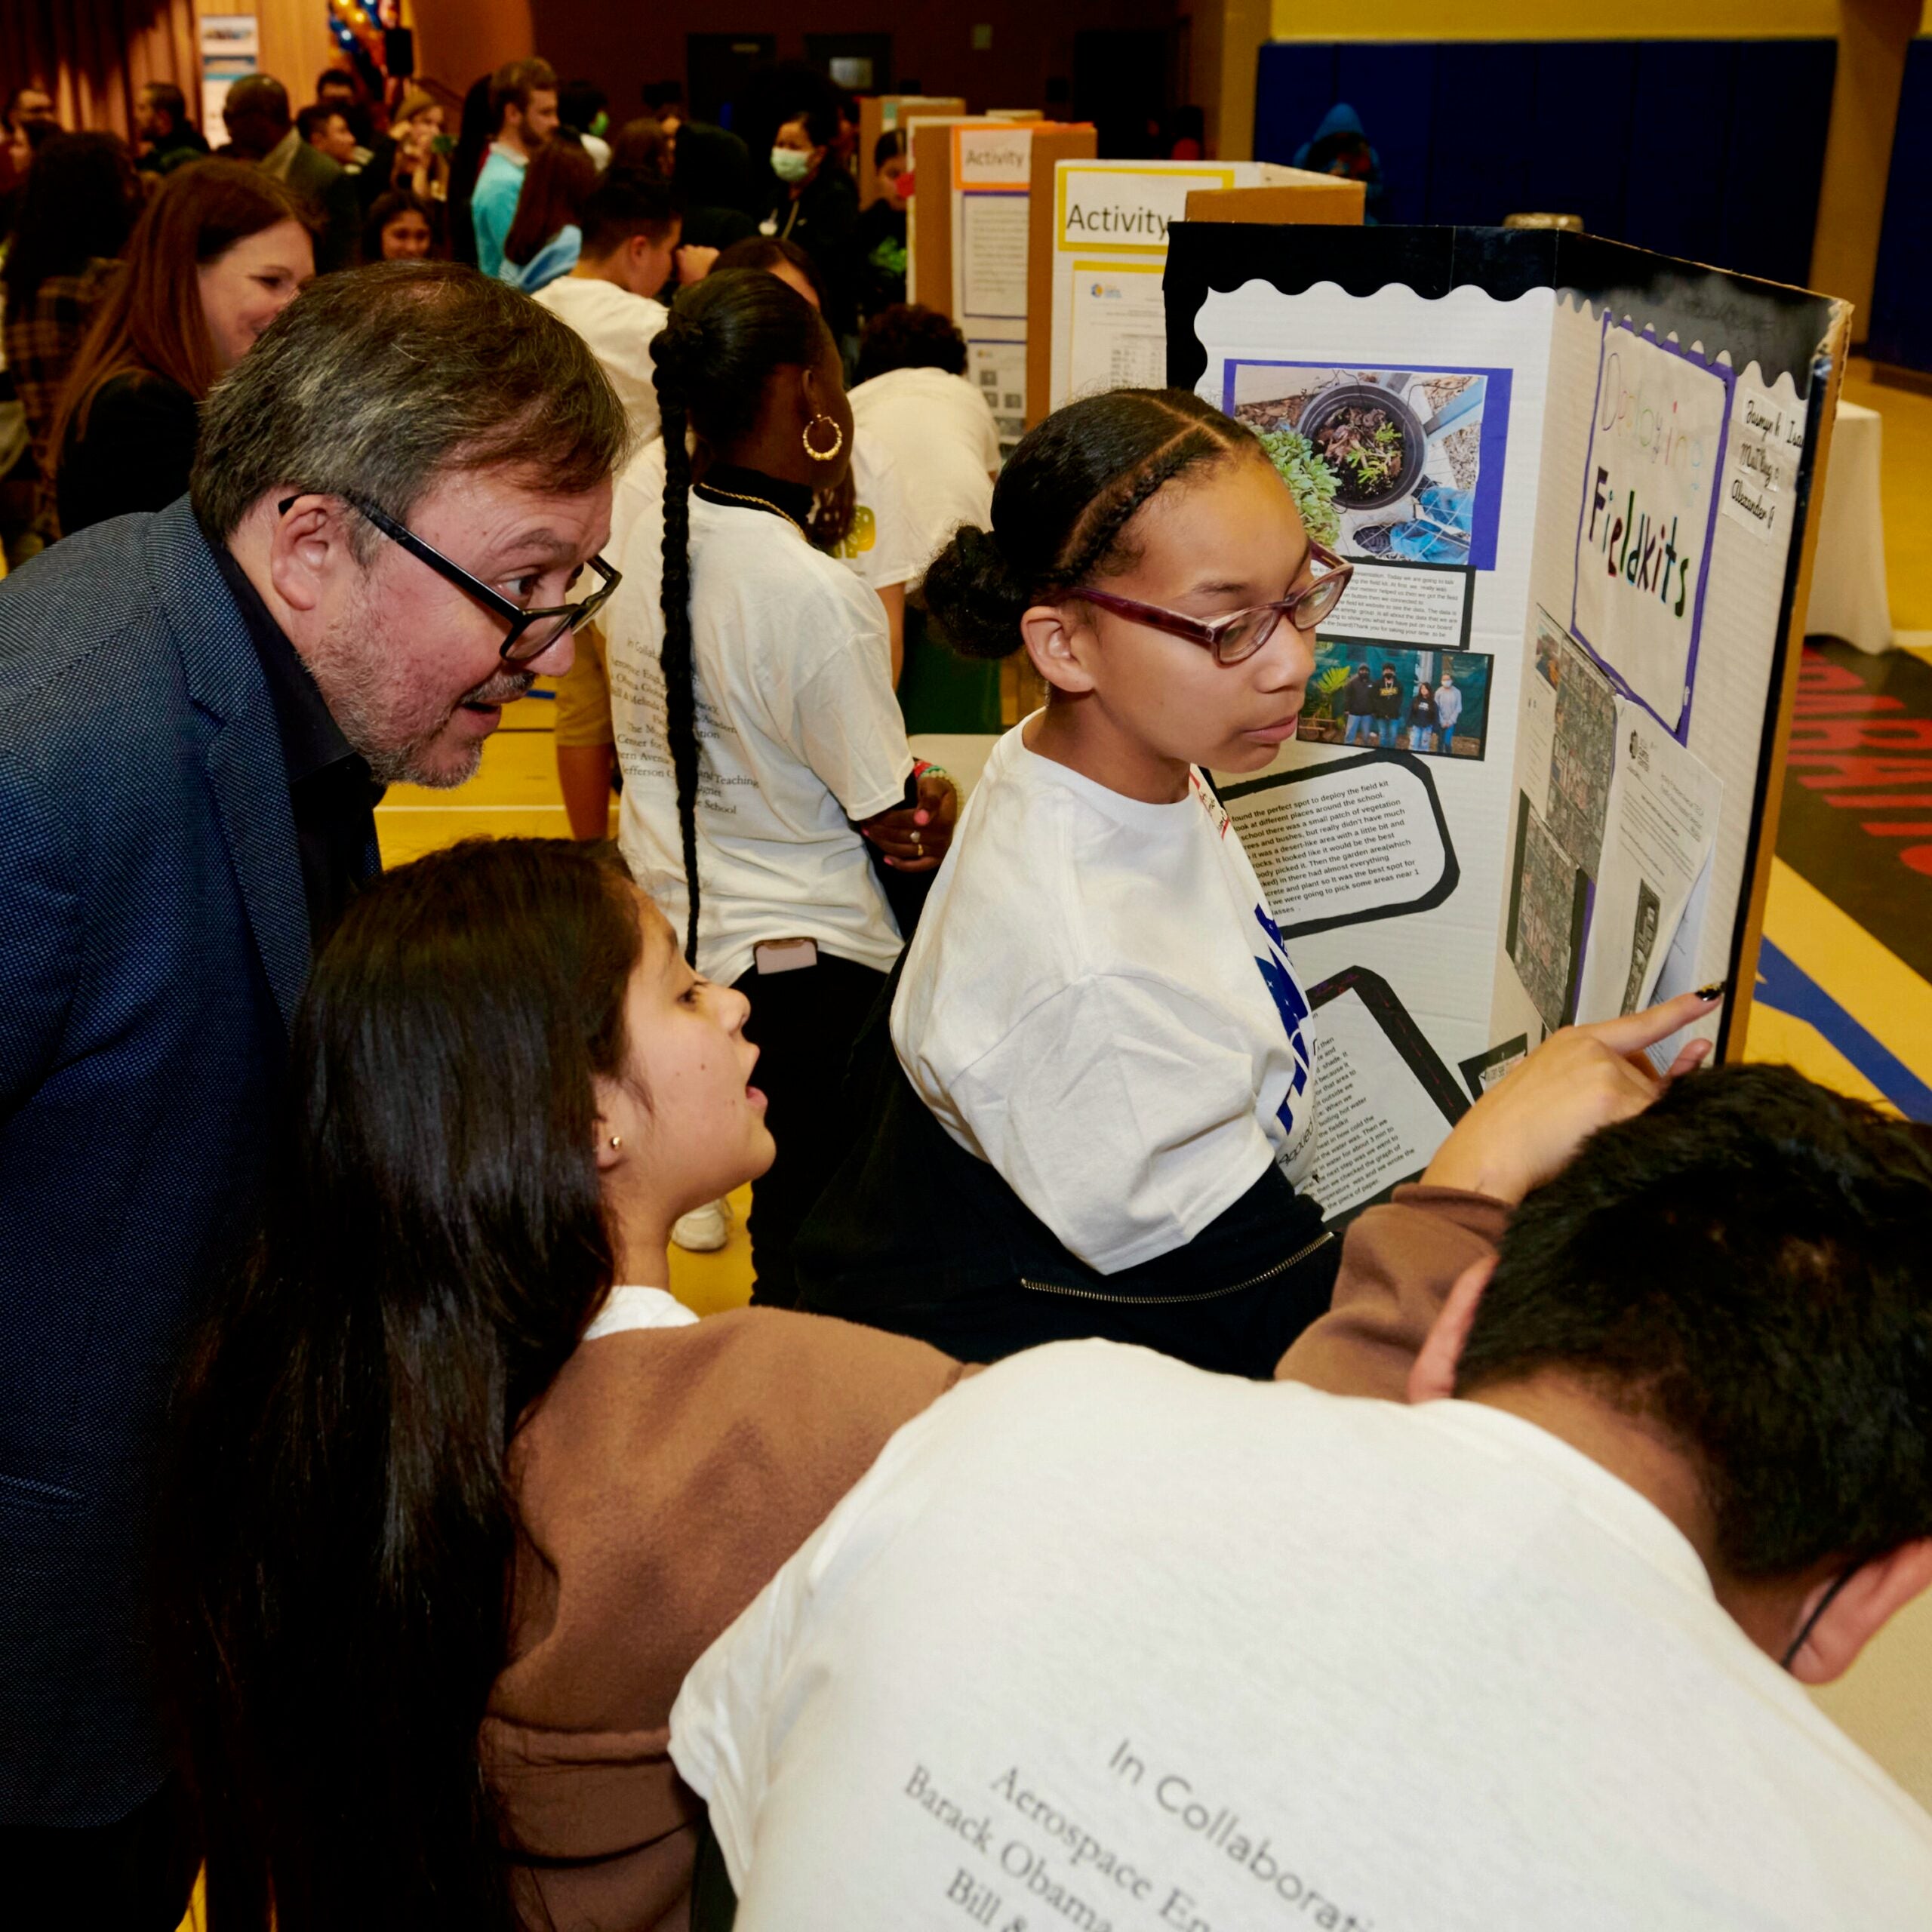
{"x":154,"y":940}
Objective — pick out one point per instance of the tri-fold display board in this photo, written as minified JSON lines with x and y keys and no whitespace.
{"x":1537,"y":774}
{"x":979,"y":238}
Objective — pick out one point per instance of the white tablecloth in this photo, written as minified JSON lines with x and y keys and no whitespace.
{"x":1848,"y":597}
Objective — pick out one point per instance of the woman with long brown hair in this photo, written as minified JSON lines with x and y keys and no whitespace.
{"x":546,"y":237}
{"x":219,"y":253}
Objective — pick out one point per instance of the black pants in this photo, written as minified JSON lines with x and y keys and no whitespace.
{"x":1245,"y":1332}
{"x":803,"y":1024}
{"x":136,"y":1874}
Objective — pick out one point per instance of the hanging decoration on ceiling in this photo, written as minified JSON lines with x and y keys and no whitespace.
{"x":356,"y":28}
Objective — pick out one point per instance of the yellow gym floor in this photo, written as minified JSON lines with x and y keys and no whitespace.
{"x":1833,"y":999}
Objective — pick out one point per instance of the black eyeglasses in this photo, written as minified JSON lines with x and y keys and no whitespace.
{"x":531,"y":632}
{"x":1237,"y":636}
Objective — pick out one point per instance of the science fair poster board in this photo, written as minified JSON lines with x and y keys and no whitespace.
{"x":1537,"y":777}
{"x":990,"y":175}
{"x":1100,"y":281}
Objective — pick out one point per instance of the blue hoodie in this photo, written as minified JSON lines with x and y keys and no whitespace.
{"x":1343,"y":119}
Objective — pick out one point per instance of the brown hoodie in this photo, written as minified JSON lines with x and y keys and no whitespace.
{"x":668,"y":1473}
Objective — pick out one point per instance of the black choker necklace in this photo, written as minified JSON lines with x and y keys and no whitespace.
{"x":728,"y":483}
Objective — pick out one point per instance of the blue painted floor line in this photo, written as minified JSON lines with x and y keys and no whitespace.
{"x":1785,"y":987}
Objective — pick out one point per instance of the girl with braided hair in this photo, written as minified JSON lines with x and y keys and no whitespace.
{"x":1094,"y":1108}
{"x":761,"y":745}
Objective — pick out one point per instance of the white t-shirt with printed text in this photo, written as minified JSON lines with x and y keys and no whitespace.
{"x":798,"y":732}
{"x":1097,"y":1003}
{"x":1104,"y":1641}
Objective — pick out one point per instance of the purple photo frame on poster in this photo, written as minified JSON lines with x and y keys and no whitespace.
{"x":1679,"y":727}
{"x":1492,"y":443}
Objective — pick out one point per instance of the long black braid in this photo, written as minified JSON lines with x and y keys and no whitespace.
{"x":1063,"y":504}
{"x":716,"y":358}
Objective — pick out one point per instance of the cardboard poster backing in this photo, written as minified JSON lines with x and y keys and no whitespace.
{"x":1307,"y":198}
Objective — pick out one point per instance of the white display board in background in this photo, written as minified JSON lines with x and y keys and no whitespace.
{"x":991,"y":204}
{"x":231,"y":46}
{"x":1110,"y":244}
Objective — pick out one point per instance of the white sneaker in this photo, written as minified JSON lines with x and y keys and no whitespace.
{"x":704,"y":1230}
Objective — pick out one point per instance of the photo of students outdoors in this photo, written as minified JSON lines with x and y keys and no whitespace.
{"x":1397,"y":697}
{"x":1394,"y":464}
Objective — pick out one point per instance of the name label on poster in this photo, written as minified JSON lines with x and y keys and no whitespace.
{"x":1761,"y":473}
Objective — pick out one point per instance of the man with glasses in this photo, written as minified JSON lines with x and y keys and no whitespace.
{"x":394,"y":527}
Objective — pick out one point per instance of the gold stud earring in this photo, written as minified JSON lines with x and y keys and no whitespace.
{"x":837,"y":439}
{"x":617,"y":1140}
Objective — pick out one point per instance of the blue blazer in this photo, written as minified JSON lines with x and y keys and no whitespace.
{"x":154,"y":940}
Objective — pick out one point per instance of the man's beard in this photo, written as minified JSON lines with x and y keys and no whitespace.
{"x":408,"y":762}
{"x":394,"y":729}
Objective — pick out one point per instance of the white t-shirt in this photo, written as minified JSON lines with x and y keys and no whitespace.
{"x":943,"y":436}
{"x":1097,"y":1003}
{"x":630,"y":1306}
{"x":1103,"y":1641}
{"x":798,"y":732}
{"x":620,"y":328}
{"x":881,"y":549}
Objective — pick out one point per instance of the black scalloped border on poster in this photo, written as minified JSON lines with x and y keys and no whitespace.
{"x":1779,"y":328}
{"x":1452,"y":870}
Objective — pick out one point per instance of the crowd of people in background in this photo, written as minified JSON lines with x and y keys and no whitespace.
{"x":381,"y":1534}
{"x":501,"y":177}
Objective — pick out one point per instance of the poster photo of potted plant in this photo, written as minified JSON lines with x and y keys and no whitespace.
{"x":1391,"y":465}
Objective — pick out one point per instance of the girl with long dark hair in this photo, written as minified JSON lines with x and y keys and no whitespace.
{"x":460,"y":1492}
{"x":761,"y":743}
{"x":1098,"y":1093}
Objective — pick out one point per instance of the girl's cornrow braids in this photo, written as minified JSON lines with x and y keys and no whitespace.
{"x":1199,"y":433}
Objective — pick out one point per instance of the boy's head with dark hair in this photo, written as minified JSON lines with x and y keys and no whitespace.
{"x":632,"y":227}
{"x":908,"y":335}
{"x":325,"y":126}
{"x":1744,"y":1271}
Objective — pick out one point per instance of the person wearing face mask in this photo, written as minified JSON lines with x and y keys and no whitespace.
{"x":816,"y":206}
{"x":220,"y":251}
{"x":395,"y":526}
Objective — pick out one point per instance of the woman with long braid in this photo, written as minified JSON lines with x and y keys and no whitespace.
{"x":751,"y":693}
{"x":1094,"y":1111}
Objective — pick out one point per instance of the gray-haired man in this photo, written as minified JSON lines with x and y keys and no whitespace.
{"x":399,"y":497}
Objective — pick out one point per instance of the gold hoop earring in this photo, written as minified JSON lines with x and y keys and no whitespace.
{"x":838,"y":440}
